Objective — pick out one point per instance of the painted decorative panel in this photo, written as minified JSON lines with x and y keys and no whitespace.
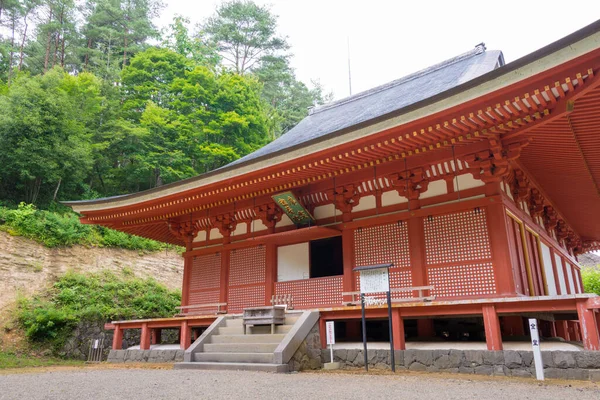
{"x":382,"y":244}
{"x":461,"y":236}
{"x":307,"y":293}
{"x":247,"y":266}
{"x":206,"y":272}
{"x":462,"y":280}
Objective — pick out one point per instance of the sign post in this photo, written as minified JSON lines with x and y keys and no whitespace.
{"x":376,"y":279}
{"x":537,"y":353}
{"x":330,"y":328}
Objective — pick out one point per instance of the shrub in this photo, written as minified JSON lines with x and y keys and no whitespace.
{"x":50,"y":317}
{"x":591,"y":280}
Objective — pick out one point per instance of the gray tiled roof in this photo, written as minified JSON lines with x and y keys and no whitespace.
{"x":388,"y":98}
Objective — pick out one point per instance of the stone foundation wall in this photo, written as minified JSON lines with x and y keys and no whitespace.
{"x":309,"y":354}
{"x":151,"y":356}
{"x":577,"y":365}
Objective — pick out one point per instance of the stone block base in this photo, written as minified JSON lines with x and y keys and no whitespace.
{"x":151,"y":356}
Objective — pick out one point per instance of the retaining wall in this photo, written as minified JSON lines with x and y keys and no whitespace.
{"x":151,"y":356}
{"x":577,"y":365}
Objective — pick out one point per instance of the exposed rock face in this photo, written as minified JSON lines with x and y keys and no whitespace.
{"x":27,"y":267}
{"x":589,"y":259}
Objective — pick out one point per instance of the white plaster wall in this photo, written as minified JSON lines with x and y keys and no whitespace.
{"x":257,"y":225}
{"x":570,"y":278}
{"x":466,"y":181}
{"x":240,"y":229}
{"x":392,"y":197}
{"x":326,"y":211}
{"x":293,"y":262}
{"x":548,"y":273}
{"x":366,"y":203}
{"x":285,"y":221}
{"x":200,"y":237}
{"x":215,"y":234}
{"x":435,"y":188}
{"x":561,"y":276}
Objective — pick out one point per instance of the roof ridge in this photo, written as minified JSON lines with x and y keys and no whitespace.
{"x":479,"y":49}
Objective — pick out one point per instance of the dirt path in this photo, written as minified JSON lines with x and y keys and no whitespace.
{"x":148,"y":383}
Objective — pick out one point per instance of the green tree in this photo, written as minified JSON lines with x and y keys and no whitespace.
{"x":44,"y":120}
{"x":195,"y":47}
{"x":244,"y":33}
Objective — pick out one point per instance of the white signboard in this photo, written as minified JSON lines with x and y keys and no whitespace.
{"x":537,"y":353}
{"x":330,"y":332}
{"x":374,"y":280}
{"x":96,"y":343}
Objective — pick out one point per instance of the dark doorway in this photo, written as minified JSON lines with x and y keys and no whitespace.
{"x":326,"y":257}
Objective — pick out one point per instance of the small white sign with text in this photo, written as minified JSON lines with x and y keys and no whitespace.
{"x":330,"y":328}
{"x":537,"y":352}
{"x":374,"y":280}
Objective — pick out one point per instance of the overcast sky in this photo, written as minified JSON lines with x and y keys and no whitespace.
{"x":390,"y":39}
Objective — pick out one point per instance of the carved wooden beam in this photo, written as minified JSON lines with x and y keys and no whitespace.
{"x":270,"y":214}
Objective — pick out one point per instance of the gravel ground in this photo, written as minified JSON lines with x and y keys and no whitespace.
{"x":146,"y":384}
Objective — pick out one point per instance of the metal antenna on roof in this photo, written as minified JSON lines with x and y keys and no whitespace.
{"x":349,"y":74}
{"x":455,"y":175}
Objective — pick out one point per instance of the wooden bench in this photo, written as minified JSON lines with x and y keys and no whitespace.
{"x":355,"y":296}
{"x":282,"y":300}
{"x":201,"y":309}
{"x":274,"y":315}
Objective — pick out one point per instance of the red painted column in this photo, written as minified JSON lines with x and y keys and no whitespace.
{"x":513,"y":326}
{"x":398,"y":330}
{"x":145,"y":338}
{"x":588,"y":327}
{"x":224,"y":288}
{"x":499,"y":243}
{"x":493,"y":336}
{"x":187,"y":272}
{"x":270,"y":272}
{"x":416,"y":240}
{"x":185,"y":338}
{"x":348,"y":283}
{"x":155,"y":336}
{"x":323,"y":333}
{"x":117,"y":343}
{"x":562,"y":330}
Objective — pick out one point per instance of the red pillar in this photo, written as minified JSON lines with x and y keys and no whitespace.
{"x":513,"y":326}
{"x":425,"y":328}
{"x":117,"y":343}
{"x":224,"y":288}
{"x":493,"y":336}
{"x":499,"y":243}
{"x":270,"y":272}
{"x":187,"y":272}
{"x":323,"y":333}
{"x":416,"y":240}
{"x":185,"y":338}
{"x":562,"y":330}
{"x":588,"y":327}
{"x":348,"y":281}
{"x":155,"y":336}
{"x":398,"y":330}
{"x":145,"y":339}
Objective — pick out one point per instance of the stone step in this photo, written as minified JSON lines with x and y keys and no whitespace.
{"x":254,"y":338}
{"x":232,"y":322}
{"x":265,"y":367}
{"x":262,"y":358}
{"x":240,"y":347}
{"x":260,"y":329}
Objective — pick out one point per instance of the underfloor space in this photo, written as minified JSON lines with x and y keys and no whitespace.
{"x":443,"y":345}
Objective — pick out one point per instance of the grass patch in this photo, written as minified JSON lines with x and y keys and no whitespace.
{"x":10,"y":359}
{"x":61,"y":228}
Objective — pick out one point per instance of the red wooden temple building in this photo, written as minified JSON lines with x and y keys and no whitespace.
{"x":478,"y":180}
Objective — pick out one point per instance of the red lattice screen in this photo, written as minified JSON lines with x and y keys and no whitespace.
{"x":458,"y":255}
{"x":246,"y":278}
{"x":385,"y":244}
{"x":205,"y":279}
{"x":308,"y":293}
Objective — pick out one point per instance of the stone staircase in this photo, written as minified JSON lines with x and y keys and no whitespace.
{"x":224,"y":346}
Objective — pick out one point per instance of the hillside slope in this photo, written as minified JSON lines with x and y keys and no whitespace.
{"x":26,"y":266}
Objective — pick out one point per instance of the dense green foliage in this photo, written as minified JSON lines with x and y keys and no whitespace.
{"x":591,"y":280}
{"x":89,"y":108}
{"x":62,"y":228}
{"x":50,"y":317}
